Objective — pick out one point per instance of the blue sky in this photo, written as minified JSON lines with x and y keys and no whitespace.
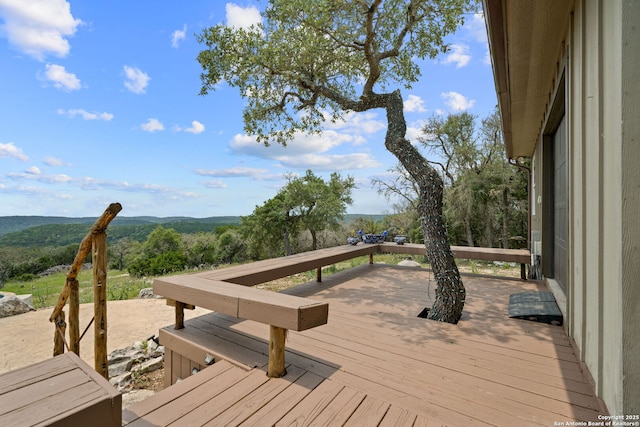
{"x":99,"y":103}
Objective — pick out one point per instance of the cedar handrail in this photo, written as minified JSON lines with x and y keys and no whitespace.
{"x":95,"y":241}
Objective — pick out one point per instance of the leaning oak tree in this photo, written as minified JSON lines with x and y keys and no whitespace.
{"x":309,"y":61}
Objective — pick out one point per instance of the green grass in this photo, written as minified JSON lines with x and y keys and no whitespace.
{"x":45,"y":290}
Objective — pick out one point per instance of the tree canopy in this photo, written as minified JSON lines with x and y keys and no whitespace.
{"x":313,"y":61}
{"x":305,"y":203}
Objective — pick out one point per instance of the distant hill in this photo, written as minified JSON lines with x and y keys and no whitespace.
{"x":11,"y":224}
{"x":31,"y":231}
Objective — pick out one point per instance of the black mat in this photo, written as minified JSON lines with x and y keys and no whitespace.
{"x":535,"y":306}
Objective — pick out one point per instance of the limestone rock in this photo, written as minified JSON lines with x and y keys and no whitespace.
{"x":12,"y":305}
{"x":137,"y":359}
{"x":147,"y":293}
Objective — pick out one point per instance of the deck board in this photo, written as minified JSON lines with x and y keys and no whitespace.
{"x":376,"y":363}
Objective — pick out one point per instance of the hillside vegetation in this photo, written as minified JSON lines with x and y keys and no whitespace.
{"x":28,"y":231}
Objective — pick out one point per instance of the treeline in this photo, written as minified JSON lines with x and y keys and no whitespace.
{"x":485,"y":197}
{"x":167,"y":250}
{"x":62,"y":234}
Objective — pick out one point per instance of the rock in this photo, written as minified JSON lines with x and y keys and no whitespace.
{"x":11,"y":305}
{"x":122,"y":381}
{"x":147,"y":293}
{"x":409,"y":263}
{"x":149,"y":366}
{"x":137,"y":359}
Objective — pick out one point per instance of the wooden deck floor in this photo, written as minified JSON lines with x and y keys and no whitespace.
{"x":377,"y":363}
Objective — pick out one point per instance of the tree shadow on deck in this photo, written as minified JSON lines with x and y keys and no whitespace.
{"x":376,"y":307}
{"x":395,"y":295}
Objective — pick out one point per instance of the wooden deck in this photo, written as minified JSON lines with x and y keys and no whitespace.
{"x":376,"y":363}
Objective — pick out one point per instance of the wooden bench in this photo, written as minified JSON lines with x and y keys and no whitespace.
{"x":61,"y":391}
{"x":521,"y":256}
{"x":219,"y":290}
{"x":276,"y":268}
{"x":281,"y":312}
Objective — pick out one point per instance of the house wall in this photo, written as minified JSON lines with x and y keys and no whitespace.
{"x":600,"y":60}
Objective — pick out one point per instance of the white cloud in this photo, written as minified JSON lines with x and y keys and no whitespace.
{"x":196,"y":128}
{"x":234,"y":172}
{"x":94,"y":184}
{"x":135,"y":79}
{"x":33,"y":170}
{"x":10,"y":150}
{"x":216,"y":183}
{"x":242,"y":17}
{"x":53,"y":161}
{"x":50,"y":179}
{"x":313,"y":150}
{"x":459,"y":55}
{"x":486,"y":59}
{"x":306,"y":152}
{"x":477,"y":28}
{"x":414,"y":130}
{"x":456,"y":101}
{"x":85,"y":114}
{"x":38,"y":27}
{"x":332,"y":162}
{"x":300,"y":145}
{"x":414,"y":104}
{"x":357,"y":123}
{"x":61,"y":78}
{"x":177,"y":36}
{"x":152,"y":125}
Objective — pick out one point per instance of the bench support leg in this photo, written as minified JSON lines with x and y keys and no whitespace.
{"x":319,"y":274}
{"x":523,"y":271}
{"x":276,"y":352}
{"x":179,"y":315}
{"x":370,"y":258}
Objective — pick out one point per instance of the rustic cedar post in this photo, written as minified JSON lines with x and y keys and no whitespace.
{"x":99,"y":261}
{"x":74,"y":316}
{"x":58,"y":336}
{"x":85,"y":247}
{"x":276,"y":352}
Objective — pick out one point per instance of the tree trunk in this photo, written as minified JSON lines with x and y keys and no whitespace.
{"x":467,"y":229}
{"x":287,"y":243}
{"x":314,"y":240}
{"x":450,"y":292}
{"x":488,"y":226}
{"x":287,"y":236}
{"x":505,"y":218}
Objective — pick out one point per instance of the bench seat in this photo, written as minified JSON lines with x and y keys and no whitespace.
{"x":276,"y":268}
{"x":521,"y":256}
{"x":280,"y":311}
{"x":271,"y":308}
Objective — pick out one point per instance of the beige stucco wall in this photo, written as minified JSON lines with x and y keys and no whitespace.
{"x":603,"y":115}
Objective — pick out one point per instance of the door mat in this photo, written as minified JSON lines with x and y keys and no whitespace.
{"x":535,"y":306}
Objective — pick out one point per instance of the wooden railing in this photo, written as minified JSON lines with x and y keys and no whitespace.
{"x":96,"y":242}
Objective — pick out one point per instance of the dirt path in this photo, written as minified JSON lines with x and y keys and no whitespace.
{"x":28,"y":338}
